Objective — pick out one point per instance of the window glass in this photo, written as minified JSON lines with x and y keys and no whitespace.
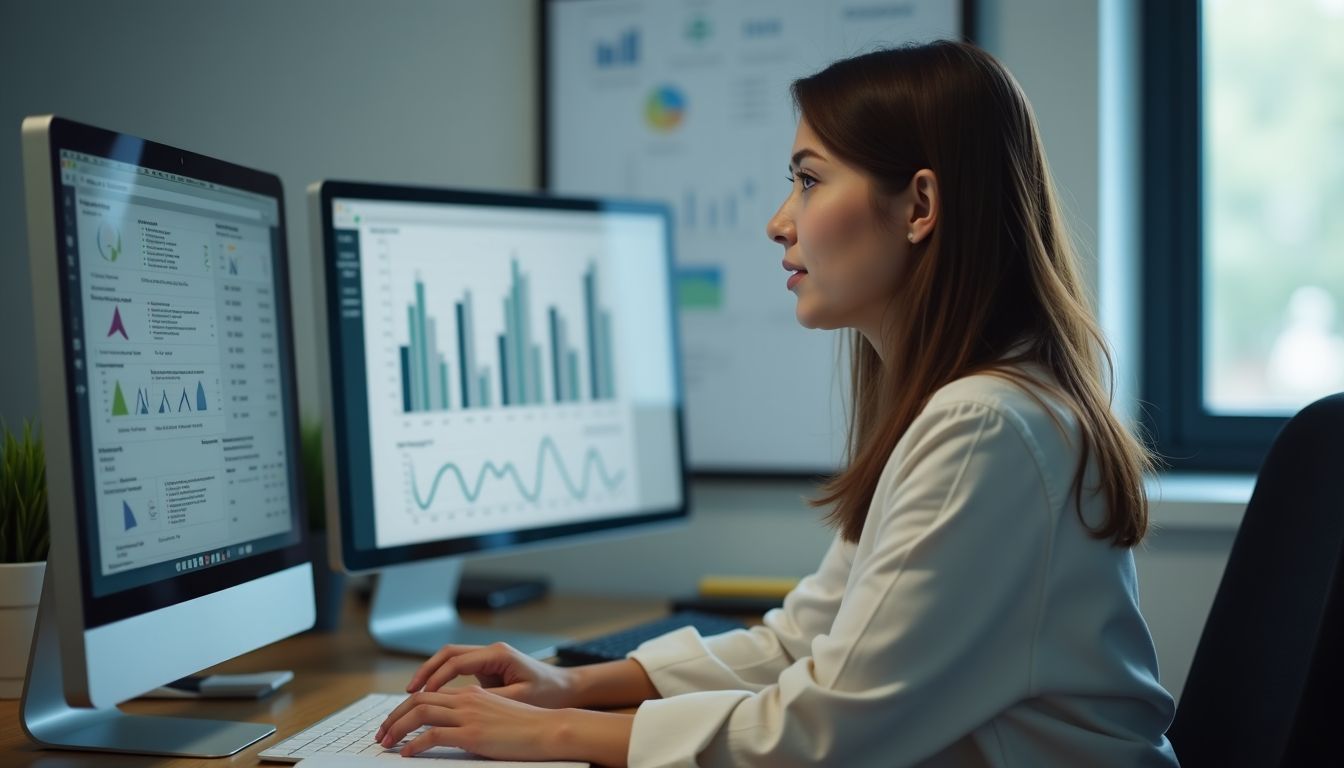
{"x":1273,"y":193}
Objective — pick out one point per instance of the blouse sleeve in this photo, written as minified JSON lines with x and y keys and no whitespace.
{"x":682,"y":661}
{"x":944,"y":601}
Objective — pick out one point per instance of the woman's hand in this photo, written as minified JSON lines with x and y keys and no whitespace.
{"x":490,"y":725}
{"x":473,"y":719}
{"x":502,"y":669}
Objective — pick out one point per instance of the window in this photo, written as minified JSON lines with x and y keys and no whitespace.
{"x":1243,"y":233}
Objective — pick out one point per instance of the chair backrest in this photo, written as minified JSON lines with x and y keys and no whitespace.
{"x":1265,"y":683}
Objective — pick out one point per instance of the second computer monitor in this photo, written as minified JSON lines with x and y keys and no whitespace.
{"x":503,"y":372}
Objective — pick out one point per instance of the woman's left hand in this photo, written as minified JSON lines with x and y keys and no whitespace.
{"x":476,"y":720}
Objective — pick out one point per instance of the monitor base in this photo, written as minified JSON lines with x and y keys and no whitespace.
{"x":414,"y":612}
{"x":51,"y":722}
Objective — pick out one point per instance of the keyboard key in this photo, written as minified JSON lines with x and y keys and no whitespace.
{"x":349,"y":731}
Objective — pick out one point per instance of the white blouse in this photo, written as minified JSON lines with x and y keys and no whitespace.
{"x":974,"y":623}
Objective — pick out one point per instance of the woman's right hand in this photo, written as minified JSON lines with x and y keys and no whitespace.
{"x":501,"y":669}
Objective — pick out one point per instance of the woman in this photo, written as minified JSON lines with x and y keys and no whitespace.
{"x":979,"y":604}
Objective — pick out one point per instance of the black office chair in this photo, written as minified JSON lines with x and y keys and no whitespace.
{"x":1266,"y":687}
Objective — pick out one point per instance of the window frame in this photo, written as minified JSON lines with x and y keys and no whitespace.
{"x":1183,"y":432}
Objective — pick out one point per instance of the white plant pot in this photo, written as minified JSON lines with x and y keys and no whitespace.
{"x":20,"y":591}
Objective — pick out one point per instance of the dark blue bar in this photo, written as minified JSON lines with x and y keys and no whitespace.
{"x":462,"y":358}
{"x":504,"y":365}
{"x":555,"y":356}
{"x":590,"y":311}
{"x":406,"y":379}
{"x":630,"y":47}
{"x":521,"y":339}
{"x":443,"y":382}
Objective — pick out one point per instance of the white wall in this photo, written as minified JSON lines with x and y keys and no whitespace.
{"x":1179,"y":569}
{"x":1051,"y":47}
{"x":440,"y":92}
{"x":445,"y":93}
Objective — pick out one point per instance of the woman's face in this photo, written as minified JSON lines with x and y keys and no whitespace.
{"x":844,"y":258}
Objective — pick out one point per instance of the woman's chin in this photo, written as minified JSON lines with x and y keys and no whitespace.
{"x":813,"y":320}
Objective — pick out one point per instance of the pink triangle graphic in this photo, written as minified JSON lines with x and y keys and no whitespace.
{"x":117,"y":325}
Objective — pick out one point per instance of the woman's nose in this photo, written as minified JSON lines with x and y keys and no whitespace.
{"x":780,"y":226}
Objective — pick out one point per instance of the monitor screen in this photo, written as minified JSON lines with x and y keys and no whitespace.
{"x":504,"y":369}
{"x":175,"y":316}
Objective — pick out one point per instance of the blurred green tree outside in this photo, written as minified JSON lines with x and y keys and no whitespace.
{"x":1273,"y":207}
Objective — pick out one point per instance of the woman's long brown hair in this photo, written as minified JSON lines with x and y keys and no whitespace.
{"x":998,"y":268}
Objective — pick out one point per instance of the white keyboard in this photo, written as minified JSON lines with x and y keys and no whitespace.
{"x":349,"y":731}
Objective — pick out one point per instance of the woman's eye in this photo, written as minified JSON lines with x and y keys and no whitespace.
{"x":808,"y":180}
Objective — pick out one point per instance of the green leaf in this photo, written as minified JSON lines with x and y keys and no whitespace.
{"x":25,"y":534}
{"x":310,"y":451}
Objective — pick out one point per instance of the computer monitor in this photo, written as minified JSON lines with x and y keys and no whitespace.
{"x":503,"y":372}
{"x":161,"y":299}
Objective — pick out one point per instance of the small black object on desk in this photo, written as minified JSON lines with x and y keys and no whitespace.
{"x":497,"y":592}
{"x":738,"y":605}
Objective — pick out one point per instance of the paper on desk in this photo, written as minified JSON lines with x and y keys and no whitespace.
{"x":441,"y":756}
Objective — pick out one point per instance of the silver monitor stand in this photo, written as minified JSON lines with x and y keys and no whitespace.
{"x":51,"y":722}
{"x":414,"y":611}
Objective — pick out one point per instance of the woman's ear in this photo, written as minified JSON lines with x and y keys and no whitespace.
{"x":922,"y":195}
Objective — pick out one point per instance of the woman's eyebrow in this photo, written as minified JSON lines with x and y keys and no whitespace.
{"x":802,"y":153}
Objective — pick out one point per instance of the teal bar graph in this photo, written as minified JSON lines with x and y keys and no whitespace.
{"x":554,"y":361}
{"x":408,"y":375}
{"x":601,"y":367}
{"x":523,"y":343}
{"x":520,"y":355}
{"x":422,"y":358}
{"x":424,"y":369}
{"x":475,"y":380}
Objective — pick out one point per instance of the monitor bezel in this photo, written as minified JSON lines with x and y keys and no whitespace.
{"x":64,"y":134}
{"x":355,"y":560}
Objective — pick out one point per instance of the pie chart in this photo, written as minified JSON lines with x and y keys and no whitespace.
{"x":665,"y":108}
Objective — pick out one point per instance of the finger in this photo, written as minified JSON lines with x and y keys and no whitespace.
{"x":434,"y":737}
{"x":450,"y":669}
{"x":434,"y":662}
{"x":432,"y":715}
{"x":409,"y":703}
{"x":441,"y":699}
{"x":487,"y":660}
{"x":396,"y":712}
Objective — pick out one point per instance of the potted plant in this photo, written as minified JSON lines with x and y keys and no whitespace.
{"x":328,"y":585}
{"x":24,"y":540}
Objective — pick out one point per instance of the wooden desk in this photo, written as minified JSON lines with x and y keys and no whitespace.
{"x":330,"y":671}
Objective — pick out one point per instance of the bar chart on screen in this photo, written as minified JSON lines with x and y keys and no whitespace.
{"x":498,"y":373}
{"x":488,"y":321}
{"x":444,"y":353}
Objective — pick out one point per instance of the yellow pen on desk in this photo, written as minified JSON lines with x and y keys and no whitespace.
{"x":746,"y":586}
